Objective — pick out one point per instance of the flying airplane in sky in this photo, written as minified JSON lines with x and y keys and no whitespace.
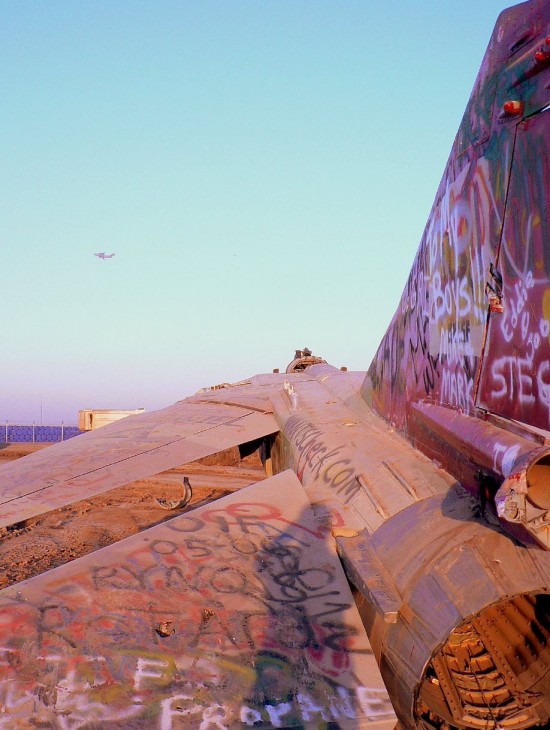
{"x":104,"y":255}
{"x":394,"y":566}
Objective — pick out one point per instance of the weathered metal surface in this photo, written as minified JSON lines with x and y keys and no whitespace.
{"x":433,"y":564}
{"x":136,"y":447}
{"x":235,"y":615}
{"x":421,"y":553}
{"x":458,"y":612}
{"x":442,"y":568}
{"x":491,"y":209}
{"x":470,"y":443}
{"x":515,"y":378}
{"x":347,"y":457}
{"x":504,"y":471}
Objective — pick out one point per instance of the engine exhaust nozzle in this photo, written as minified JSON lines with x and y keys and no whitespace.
{"x":458,"y":615}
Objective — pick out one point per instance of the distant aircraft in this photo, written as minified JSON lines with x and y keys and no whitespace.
{"x":424,"y":482}
{"x":104,"y":255}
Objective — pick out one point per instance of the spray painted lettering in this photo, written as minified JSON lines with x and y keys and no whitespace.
{"x":270,"y":636}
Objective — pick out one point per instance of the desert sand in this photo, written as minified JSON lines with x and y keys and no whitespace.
{"x":38,"y":544}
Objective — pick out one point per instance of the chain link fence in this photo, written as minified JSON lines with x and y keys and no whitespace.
{"x":12,"y":434}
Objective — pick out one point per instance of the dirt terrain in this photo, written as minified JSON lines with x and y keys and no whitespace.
{"x":38,"y":544}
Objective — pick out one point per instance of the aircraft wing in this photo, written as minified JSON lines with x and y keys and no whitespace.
{"x":235,"y":614}
{"x":132,"y":448}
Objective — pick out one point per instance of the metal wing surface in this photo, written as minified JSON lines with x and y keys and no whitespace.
{"x":132,"y":448}
{"x":237,"y":614}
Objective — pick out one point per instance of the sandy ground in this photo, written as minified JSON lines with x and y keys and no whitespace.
{"x":44,"y":542}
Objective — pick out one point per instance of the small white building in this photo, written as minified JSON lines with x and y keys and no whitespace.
{"x":92,"y":418}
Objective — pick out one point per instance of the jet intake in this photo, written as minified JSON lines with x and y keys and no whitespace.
{"x":462,"y":635}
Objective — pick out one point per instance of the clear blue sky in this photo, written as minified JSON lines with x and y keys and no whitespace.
{"x":263,"y":170}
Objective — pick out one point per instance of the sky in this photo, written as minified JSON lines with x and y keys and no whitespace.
{"x":262,"y":169}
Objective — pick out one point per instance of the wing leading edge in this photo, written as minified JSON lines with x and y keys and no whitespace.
{"x":132,"y":448}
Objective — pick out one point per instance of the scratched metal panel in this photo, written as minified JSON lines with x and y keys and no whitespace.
{"x":515,"y":380}
{"x":236,"y":614}
{"x":352,"y":462}
{"x":239,"y":396}
{"x":433,"y":346}
{"x":130,"y":449}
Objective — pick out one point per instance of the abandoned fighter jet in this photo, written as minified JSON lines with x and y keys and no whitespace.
{"x":104,"y":255}
{"x":395,"y":563}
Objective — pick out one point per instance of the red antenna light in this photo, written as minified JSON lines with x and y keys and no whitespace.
{"x":514,"y":107}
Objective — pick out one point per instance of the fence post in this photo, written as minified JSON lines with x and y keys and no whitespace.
{"x":33,"y":432}
{"x":6,"y":432}
{"x":61,"y":430}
